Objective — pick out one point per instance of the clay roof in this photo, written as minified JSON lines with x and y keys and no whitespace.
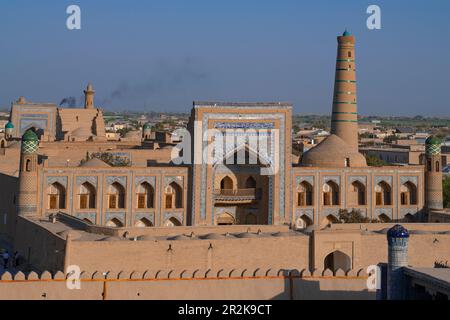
{"x":95,"y":163}
{"x":332,"y":152}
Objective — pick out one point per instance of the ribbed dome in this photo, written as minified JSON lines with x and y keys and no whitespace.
{"x":95,"y":163}
{"x":9,"y":125}
{"x":333,"y":152}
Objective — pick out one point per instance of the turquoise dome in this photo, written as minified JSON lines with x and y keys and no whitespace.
{"x":433,"y":140}
{"x":346,"y":33}
{"x":30,"y":136}
{"x":9,"y":125}
{"x":147,"y":126}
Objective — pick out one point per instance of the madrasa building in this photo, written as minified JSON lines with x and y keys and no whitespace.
{"x":230,"y":199}
{"x":54,"y":175}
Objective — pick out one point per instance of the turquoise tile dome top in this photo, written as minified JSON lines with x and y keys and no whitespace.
{"x":30,"y":142}
{"x":433,"y":145}
{"x":346,"y":33}
{"x":9,"y":125}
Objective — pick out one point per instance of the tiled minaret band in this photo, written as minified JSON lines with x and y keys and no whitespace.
{"x":344,"y":121}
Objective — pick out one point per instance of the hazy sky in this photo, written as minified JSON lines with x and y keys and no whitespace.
{"x":162,"y":55}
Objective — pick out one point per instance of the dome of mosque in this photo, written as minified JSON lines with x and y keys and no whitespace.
{"x":333,"y":152}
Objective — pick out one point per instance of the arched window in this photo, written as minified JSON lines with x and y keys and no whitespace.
{"x":174,"y":196}
{"x":250,"y":219}
{"x":115,"y":223}
{"x":330,"y":194}
{"x":226,"y":183}
{"x":116,"y":196}
{"x":28,"y":165}
{"x":225,"y":219}
{"x":87,"y":196}
{"x":438,"y":169}
{"x":337,"y":260}
{"x":384,"y":218}
{"x":305,"y":194}
{"x":383,"y":194}
{"x":250,"y":183}
{"x":145,"y":196}
{"x":303,"y":222}
{"x":408,"y":194}
{"x":143,"y":223}
{"x":349,"y":54}
{"x":357,"y":194}
{"x":56,"y":197}
{"x":173,"y":222}
{"x":87,"y":221}
{"x":2,"y":144}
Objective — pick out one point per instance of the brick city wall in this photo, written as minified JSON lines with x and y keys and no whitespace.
{"x":199,"y":284}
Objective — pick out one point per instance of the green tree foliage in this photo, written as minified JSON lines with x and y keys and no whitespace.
{"x":109,"y":158}
{"x":374,"y":161}
{"x":353,"y":216}
{"x":390,"y":139}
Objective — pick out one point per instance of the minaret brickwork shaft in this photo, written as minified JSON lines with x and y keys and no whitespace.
{"x":28,"y":177}
{"x":433,"y":174}
{"x":89,"y":97}
{"x":344,"y":120}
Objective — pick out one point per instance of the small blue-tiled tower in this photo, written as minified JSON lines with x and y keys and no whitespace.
{"x":28,"y":174}
{"x":397,"y":238}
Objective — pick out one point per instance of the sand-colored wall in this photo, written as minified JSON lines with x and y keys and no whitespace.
{"x":251,"y":253}
{"x":271,"y":285}
{"x":40,"y":247}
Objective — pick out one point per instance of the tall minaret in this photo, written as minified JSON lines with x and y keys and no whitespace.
{"x":28,"y":175}
{"x":433,"y":174}
{"x":89,"y":97}
{"x":344,"y":120}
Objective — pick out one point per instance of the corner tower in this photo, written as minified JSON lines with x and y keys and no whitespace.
{"x":433,"y":174}
{"x":344,"y":120}
{"x":27,"y":200}
{"x":89,"y":97}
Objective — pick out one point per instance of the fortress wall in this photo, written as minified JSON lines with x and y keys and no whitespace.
{"x":197,"y":230}
{"x":251,"y":253}
{"x":40,"y":247}
{"x":423,"y":250}
{"x":240,"y":284}
{"x":9,"y":161}
{"x":436,"y":227}
{"x":8,"y":203}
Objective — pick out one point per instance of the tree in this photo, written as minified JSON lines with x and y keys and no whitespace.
{"x":353,"y":216}
{"x":374,"y":161}
{"x":390,"y":139}
{"x":446,"y":191}
{"x":111,"y":159}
